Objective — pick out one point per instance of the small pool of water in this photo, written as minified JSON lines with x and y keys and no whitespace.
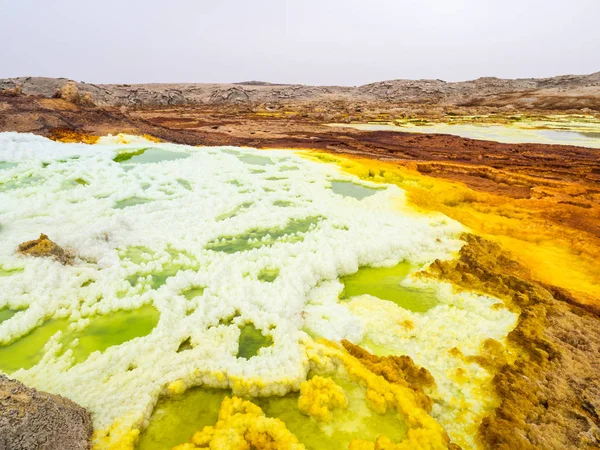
{"x":7,"y":165}
{"x":148,"y":155}
{"x":256,"y":238}
{"x":157,"y":278}
{"x":236,"y":211}
{"x":131,"y":201}
{"x":251,"y":341}
{"x":112,"y":329}
{"x":498,"y":133}
{"x":19,"y":182}
{"x":357,"y":421}
{"x":256,"y":160}
{"x":193,"y":292}
{"x":384,"y":283}
{"x":350,"y":189}
{"x":7,"y":313}
{"x":9,"y":272}
{"x":26,"y":352}
{"x":268,"y":275}
{"x":102,"y":332}
{"x":176,"y":419}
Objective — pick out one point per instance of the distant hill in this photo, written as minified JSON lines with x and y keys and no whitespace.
{"x":561,"y":92}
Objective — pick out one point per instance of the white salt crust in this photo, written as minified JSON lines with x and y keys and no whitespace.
{"x":176,"y":226}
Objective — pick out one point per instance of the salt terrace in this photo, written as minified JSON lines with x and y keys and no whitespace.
{"x":227,"y":268}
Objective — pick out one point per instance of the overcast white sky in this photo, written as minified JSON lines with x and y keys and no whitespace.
{"x":347,"y":42}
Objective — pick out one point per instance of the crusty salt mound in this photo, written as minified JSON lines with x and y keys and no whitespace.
{"x":233,"y":257}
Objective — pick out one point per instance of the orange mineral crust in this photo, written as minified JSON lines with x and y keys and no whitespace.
{"x":549,"y":390}
{"x":555,"y":232}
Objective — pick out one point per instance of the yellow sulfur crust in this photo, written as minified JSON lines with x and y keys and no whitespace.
{"x":555,"y":254}
{"x":319,"y":396}
{"x":242,"y":426}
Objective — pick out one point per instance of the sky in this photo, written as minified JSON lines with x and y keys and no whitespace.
{"x":321,"y":42}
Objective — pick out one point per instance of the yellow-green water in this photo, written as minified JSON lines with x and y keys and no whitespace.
{"x":26,"y":352}
{"x":256,"y":238}
{"x":251,"y":341}
{"x":148,"y":155}
{"x":108,"y":330}
{"x":7,"y":313}
{"x":193,"y":292}
{"x":384,"y":283}
{"x":176,"y":419}
{"x":350,"y":189}
{"x":157,"y":279}
{"x":9,"y":272}
{"x":234,"y":212}
{"x":521,"y":131}
{"x":268,"y":275}
{"x":255,"y":160}
{"x":102,"y":332}
{"x":131,"y":201}
{"x":7,"y":165}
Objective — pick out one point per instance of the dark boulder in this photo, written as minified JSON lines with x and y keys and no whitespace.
{"x":34,"y":420}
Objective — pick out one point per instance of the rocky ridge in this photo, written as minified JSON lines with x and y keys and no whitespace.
{"x":576,"y":91}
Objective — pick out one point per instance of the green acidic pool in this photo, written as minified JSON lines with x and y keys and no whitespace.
{"x":256,"y":238}
{"x":7,"y":313}
{"x":236,"y":211}
{"x":176,"y":419}
{"x":7,"y":165}
{"x":357,"y":421}
{"x":132,"y":201}
{"x":193,"y":292}
{"x":110,"y":329}
{"x":255,"y":160}
{"x":157,"y":279}
{"x":350,"y":189}
{"x":384,"y":283}
{"x":268,"y":275}
{"x":26,"y":352}
{"x":251,"y":341}
{"x":149,"y":155}
{"x":9,"y":272}
{"x":102,"y":332}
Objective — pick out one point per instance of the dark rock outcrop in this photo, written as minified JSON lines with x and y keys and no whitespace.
{"x":34,"y":420}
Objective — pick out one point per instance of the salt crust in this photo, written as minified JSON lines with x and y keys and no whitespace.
{"x":123,"y":383}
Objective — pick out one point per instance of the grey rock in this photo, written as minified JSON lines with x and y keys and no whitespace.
{"x":34,"y":420}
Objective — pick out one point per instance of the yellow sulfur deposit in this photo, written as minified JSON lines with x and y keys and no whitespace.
{"x":558,"y":255}
{"x":319,"y":396}
{"x":242,"y":426}
{"x":382,"y":396}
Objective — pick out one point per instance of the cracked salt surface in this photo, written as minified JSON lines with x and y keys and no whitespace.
{"x":214,"y":246}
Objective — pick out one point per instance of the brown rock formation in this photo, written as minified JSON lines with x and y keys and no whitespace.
{"x":562,"y":92}
{"x":550,"y":394}
{"x":34,"y":420}
{"x":44,"y":247}
{"x":395,"y":369}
